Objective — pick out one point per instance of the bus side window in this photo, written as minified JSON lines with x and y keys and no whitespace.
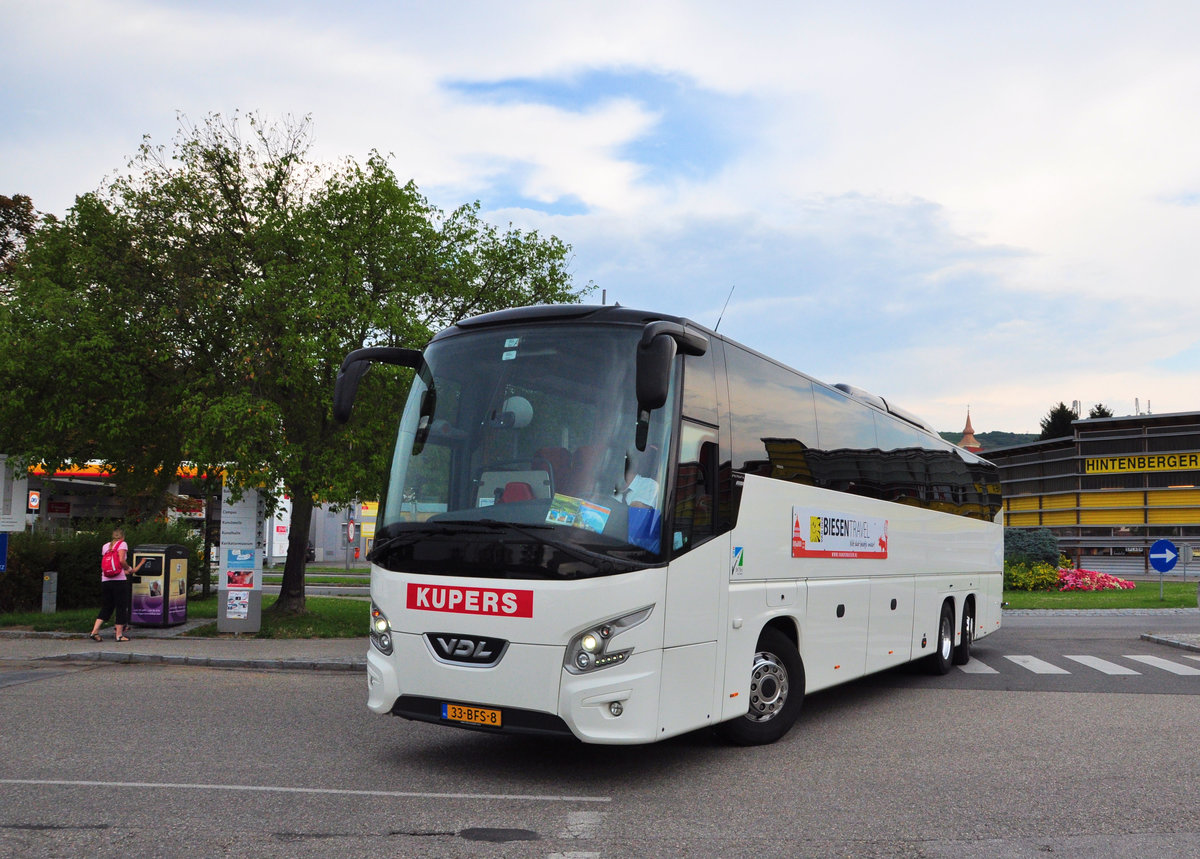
{"x":695,"y":486}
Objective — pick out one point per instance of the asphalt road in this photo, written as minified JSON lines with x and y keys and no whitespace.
{"x":137,"y":760}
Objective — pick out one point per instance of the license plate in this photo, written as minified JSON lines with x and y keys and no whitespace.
{"x":471,"y":715}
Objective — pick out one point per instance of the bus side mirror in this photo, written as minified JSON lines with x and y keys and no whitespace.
{"x":655,"y":358}
{"x":357,"y":363}
{"x":654,"y":361}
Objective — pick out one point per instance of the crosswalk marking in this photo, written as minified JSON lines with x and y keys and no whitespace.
{"x":1037,"y":666}
{"x":977,"y":667}
{"x":1166,"y":665}
{"x":1102,"y":665}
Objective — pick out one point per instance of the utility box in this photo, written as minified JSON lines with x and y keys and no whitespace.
{"x":159,"y":591}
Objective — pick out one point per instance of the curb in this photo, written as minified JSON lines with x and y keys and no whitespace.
{"x":1096,"y":612}
{"x":1191,"y":642}
{"x":214,"y":661}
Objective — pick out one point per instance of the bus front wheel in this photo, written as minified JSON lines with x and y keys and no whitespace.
{"x":776,"y":692}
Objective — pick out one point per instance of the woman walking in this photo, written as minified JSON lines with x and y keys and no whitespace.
{"x":115,"y":586}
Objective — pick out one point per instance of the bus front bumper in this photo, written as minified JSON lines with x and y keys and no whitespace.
{"x":530,"y":687}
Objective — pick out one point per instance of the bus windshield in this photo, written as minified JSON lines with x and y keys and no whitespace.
{"x":516,"y":458}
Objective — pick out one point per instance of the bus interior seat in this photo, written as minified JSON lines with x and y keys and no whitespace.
{"x":516,"y":490}
{"x":583,"y":464}
{"x":494,"y":484}
{"x":709,"y":465}
{"x":557,"y":461}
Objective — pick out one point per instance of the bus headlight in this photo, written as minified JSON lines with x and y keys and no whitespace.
{"x":381,"y":631}
{"x":593,"y":648}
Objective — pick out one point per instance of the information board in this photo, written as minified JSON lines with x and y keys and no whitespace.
{"x":14,"y":494}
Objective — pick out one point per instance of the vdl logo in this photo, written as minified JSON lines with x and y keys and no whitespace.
{"x":477,"y":651}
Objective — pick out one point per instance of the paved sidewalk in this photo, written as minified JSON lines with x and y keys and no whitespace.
{"x":170,"y":646}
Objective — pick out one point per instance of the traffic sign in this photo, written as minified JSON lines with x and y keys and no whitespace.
{"x":350,"y":531}
{"x":1163,"y":556}
{"x":35,"y":502}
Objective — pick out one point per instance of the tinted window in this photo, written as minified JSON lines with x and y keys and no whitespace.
{"x":695,"y":487}
{"x":699,"y":390}
{"x":772,"y":412}
{"x":895,"y":434}
{"x":843,"y":423}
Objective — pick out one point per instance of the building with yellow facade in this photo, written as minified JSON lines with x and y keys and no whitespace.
{"x":1110,"y":490}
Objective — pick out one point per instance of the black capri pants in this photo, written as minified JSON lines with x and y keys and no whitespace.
{"x":115,"y":596}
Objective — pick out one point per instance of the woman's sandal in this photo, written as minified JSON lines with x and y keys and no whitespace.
{"x":122,"y":638}
{"x":95,"y":636}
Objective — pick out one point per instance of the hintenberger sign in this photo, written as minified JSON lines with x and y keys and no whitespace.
{"x":1142,"y":462}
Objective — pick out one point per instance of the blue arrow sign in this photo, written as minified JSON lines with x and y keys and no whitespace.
{"x":1163,"y":556}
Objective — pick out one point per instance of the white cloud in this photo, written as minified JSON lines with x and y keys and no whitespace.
{"x":1010,"y":186}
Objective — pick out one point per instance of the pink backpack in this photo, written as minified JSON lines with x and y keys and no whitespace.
{"x":110,"y":562}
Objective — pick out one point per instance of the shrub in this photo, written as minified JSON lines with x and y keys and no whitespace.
{"x":1020,"y":576}
{"x":76,"y":559}
{"x":1030,"y":546}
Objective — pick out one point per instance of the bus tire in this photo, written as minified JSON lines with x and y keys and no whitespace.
{"x":776,"y":693}
{"x":962,"y":653}
{"x":943,"y":654}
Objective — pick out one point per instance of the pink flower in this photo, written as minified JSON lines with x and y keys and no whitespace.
{"x":1090,"y":580}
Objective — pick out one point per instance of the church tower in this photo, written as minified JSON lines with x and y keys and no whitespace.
{"x":968,"y":440}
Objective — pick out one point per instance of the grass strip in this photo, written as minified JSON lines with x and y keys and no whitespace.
{"x":1143,"y":595}
{"x":324,"y":617}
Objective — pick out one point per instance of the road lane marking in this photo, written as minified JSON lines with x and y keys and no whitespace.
{"x":1102,"y":665}
{"x":1037,"y":666}
{"x":1167,"y":665}
{"x":977,"y":667}
{"x":267,"y":788}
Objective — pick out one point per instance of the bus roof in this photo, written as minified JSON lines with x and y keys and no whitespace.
{"x":616,"y":314}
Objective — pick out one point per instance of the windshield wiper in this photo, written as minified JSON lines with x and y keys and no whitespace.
{"x":606,"y":563}
{"x":533,"y":532}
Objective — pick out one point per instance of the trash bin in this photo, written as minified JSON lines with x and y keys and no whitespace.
{"x":160,"y":588}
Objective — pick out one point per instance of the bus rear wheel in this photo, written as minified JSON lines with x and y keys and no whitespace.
{"x":776,"y":692}
{"x":942,"y":658}
{"x":962,"y":653}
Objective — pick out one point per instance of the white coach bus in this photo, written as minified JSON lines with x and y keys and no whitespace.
{"x":623,"y":526}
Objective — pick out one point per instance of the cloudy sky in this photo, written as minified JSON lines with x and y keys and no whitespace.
{"x":993,"y":204}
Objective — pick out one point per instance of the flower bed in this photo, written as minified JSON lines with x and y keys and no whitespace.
{"x":1090,"y":580}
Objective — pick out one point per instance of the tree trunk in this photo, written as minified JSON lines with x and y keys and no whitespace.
{"x":291,"y":592}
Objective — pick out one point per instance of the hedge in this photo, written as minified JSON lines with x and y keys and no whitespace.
{"x":76,"y":559}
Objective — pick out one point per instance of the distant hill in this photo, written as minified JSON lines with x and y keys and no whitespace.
{"x":995,"y":439}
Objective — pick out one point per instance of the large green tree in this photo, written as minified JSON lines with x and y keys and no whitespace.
{"x":1057,"y":422}
{"x":17,"y":221}
{"x":198,"y":307}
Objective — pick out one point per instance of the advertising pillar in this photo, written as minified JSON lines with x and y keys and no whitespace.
{"x":239,"y":576}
